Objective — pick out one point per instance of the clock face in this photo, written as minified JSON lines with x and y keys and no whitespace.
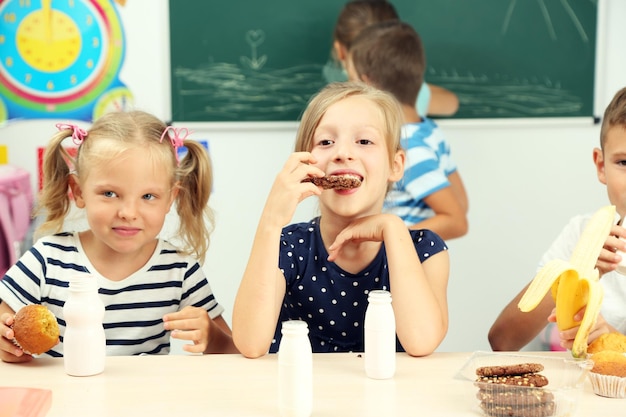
{"x":58,"y":56}
{"x":115,"y":99}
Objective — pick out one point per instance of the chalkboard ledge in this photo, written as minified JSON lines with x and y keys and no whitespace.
{"x":519,"y":122}
{"x":239,"y":126}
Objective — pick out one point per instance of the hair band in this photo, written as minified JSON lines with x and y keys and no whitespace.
{"x":177,"y":137}
{"x":78,"y":134}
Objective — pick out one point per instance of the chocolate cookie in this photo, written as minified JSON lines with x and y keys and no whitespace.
{"x":525,"y":380}
{"x":337,"y":182}
{"x":517,"y":369}
{"x":541,"y":410}
{"x":522,"y":396}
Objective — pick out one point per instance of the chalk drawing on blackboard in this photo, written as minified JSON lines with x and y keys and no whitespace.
{"x":547,"y":19}
{"x":248,"y":90}
{"x":254,"y":38}
{"x":501,"y":95}
{"x":228,"y":92}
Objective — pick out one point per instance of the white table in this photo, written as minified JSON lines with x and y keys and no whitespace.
{"x":231,"y":385}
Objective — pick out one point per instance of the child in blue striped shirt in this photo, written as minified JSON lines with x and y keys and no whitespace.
{"x":431,"y":194}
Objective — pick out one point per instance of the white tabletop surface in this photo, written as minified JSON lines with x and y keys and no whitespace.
{"x":231,"y":385}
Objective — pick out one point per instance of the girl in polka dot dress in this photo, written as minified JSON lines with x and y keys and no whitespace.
{"x":327,"y":266}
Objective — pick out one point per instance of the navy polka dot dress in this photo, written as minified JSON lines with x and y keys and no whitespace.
{"x":331,"y":300}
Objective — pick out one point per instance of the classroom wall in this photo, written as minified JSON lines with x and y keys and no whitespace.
{"x":525,"y":178}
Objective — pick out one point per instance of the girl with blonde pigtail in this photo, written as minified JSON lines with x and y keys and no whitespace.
{"x":126,"y":176}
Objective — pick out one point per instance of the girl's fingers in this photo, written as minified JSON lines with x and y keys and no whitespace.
{"x":298,"y":159}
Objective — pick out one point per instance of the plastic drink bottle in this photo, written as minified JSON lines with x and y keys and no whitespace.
{"x":295,"y":370}
{"x":84,"y":342}
{"x":380,"y":336}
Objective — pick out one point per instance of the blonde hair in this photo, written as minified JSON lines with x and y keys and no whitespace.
{"x":109,"y":137}
{"x":388,"y":106}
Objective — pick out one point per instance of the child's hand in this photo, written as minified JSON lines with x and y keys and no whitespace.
{"x":568,"y":336}
{"x":369,"y":228}
{"x":608,"y":259}
{"x":190,"y":323}
{"x":8,"y":351}
{"x":288,"y":189}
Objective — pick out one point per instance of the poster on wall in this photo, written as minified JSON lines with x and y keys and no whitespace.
{"x":61,"y":59}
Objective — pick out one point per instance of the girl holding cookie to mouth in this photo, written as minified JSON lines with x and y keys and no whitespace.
{"x":327,"y":266}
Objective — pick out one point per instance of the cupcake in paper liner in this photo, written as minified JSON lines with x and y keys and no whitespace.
{"x":608,"y":375}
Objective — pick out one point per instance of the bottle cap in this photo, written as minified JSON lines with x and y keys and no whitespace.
{"x":294,"y":326}
{"x":83,"y":282}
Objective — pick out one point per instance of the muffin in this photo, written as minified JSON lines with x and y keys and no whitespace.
{"x":608,"y":341}
{"x":608,"y":375}
{"x":35,"y":329}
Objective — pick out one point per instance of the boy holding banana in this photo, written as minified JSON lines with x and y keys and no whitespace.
{"x":513,"y":329}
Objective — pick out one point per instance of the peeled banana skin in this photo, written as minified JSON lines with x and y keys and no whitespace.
{"x":575,"y":284}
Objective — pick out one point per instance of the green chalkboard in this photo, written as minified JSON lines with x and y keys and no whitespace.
{"x":261,"y":60}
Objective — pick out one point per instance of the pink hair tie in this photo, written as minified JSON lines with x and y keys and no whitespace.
{"x":176,"y":137}
{"x":78,"y":134}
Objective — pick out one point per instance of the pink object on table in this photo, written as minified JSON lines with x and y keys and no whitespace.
{"x":24,"y":402}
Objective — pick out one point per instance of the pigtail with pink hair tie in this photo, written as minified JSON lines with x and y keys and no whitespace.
{"x":78,"y":134}
{"x":177,"y":137}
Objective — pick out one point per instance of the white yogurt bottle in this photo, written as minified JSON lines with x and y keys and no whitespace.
{"x":295,"y":370}
{"x":380,"y":336}
{"x":84,"y":341}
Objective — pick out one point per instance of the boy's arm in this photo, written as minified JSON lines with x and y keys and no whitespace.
{"x":456,"y":183}
{"x":514,"y":329}
{"x":450,"y":219}
{"x":443,"y":102}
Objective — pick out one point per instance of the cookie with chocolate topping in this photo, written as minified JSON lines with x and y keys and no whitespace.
{"x":335,"y":182}
{"x":517,"y":369}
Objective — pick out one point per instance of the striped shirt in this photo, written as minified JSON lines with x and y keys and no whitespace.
{"x":428,"y":164}
{"x":134,"y":306}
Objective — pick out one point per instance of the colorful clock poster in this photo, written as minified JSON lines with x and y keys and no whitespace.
{"x":60,"y":59}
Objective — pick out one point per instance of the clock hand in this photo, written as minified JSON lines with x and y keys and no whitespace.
{"x":47,"y":16}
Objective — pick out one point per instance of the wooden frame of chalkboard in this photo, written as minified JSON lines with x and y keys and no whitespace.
{"x":261,"y":61}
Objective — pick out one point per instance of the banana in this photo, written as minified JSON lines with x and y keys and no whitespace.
{"x":574,"y":284}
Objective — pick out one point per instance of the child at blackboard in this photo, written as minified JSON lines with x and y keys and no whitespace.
{"x":513,"y":330}
{"x":432,"y":100}
{"x":431,"y":195}
{"x":327,"y":266}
